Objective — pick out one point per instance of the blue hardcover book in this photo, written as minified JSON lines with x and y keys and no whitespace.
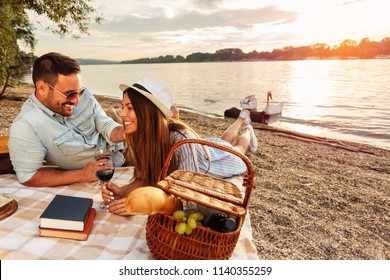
{"x":66,"y":212}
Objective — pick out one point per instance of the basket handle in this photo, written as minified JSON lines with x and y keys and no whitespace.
{"x":248,"y":181}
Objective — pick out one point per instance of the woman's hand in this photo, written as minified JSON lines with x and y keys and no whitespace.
{"x":118,"y":207}
{"x":118,"y":195}
{"x":112,"y":192}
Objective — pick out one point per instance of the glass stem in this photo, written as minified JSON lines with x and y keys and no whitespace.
{"x":104,"y":204}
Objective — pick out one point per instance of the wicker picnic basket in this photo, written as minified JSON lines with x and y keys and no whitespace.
{"x":218,"y":194}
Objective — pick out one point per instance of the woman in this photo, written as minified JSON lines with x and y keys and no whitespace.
{"x":151,"y":129}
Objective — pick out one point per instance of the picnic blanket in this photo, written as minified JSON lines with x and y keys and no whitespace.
{"x":112,"y":236}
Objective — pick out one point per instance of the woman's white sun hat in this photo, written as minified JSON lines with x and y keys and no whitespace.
{"x":156,"y":91}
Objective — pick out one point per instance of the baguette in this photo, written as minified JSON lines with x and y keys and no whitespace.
{"x":150,"y":200}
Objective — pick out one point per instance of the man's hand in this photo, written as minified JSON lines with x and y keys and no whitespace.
{"x":89,"y":172}
{"x":46,"y":177}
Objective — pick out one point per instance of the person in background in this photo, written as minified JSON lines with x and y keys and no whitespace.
{"x":151,"y":130}
{"x":60,"y":124}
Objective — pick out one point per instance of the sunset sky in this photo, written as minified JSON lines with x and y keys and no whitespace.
{"x":150,"y":28}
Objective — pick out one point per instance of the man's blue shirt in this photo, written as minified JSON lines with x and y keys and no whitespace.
{"x":39,"y":134}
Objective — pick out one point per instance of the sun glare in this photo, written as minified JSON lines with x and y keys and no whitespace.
{"x":169,"y":12}
{"x":331,"y":22}
{"x":308,"y":89}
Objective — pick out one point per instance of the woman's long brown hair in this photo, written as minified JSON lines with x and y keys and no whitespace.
{"x":151,"y":142}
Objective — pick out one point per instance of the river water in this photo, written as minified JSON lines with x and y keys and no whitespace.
{"x":341,"y":99}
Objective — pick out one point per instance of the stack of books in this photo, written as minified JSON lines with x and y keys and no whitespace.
{"x":68,"y":217}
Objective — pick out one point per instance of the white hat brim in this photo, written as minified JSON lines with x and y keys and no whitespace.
{"x":166,"y":111}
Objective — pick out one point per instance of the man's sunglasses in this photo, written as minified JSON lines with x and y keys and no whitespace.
{"x":69,"y":94}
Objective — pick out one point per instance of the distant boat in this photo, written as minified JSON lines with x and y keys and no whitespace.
{"x":273,"y":108}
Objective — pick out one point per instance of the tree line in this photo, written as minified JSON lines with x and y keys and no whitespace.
{"x":366,"y":49}
{"x":66,"y":18}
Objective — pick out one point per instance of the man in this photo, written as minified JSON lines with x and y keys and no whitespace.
{"x":61,"y":123}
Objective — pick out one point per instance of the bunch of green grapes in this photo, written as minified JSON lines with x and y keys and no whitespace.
{"x":187,"y":221}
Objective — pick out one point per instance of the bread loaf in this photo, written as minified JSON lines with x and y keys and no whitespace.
{"x":151,"y":200}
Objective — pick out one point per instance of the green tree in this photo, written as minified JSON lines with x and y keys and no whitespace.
{"x":66,"y":18}
{"x":321,"y":50}
{"x":385,"y":46}
{"x":228,"y":54}
{"x":278,"y":54}
{"x":180,"y":58}
{"x":198,"y":57}
{"x":348,"y":48}
{"x":13,"y":27}
{"x":367,"y":49}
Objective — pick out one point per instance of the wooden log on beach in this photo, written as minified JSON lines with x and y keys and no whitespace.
{"x":260,"y":117}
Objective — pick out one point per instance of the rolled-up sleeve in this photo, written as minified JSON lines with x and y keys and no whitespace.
{"x":104,"y":124}
{"x":27,"y":153}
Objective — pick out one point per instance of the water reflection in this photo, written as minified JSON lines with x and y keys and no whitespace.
{"x":333,"y":98}
{"x":309,"y":88}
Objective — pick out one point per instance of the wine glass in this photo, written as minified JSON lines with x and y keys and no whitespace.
{"x":101,"y":151}
{"x":104,"y":169}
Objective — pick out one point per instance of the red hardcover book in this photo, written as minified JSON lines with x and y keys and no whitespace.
{"x":71,"y":234}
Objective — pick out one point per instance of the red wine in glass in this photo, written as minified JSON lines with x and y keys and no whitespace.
{"x":105,"y":175}
{"x":104,"y":170}
{"x":103,"y":155}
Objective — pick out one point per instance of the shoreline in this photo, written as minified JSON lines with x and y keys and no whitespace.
{"x":316,"y":198}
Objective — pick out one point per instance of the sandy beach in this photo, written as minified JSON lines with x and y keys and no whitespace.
{"x":315,"y":198}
